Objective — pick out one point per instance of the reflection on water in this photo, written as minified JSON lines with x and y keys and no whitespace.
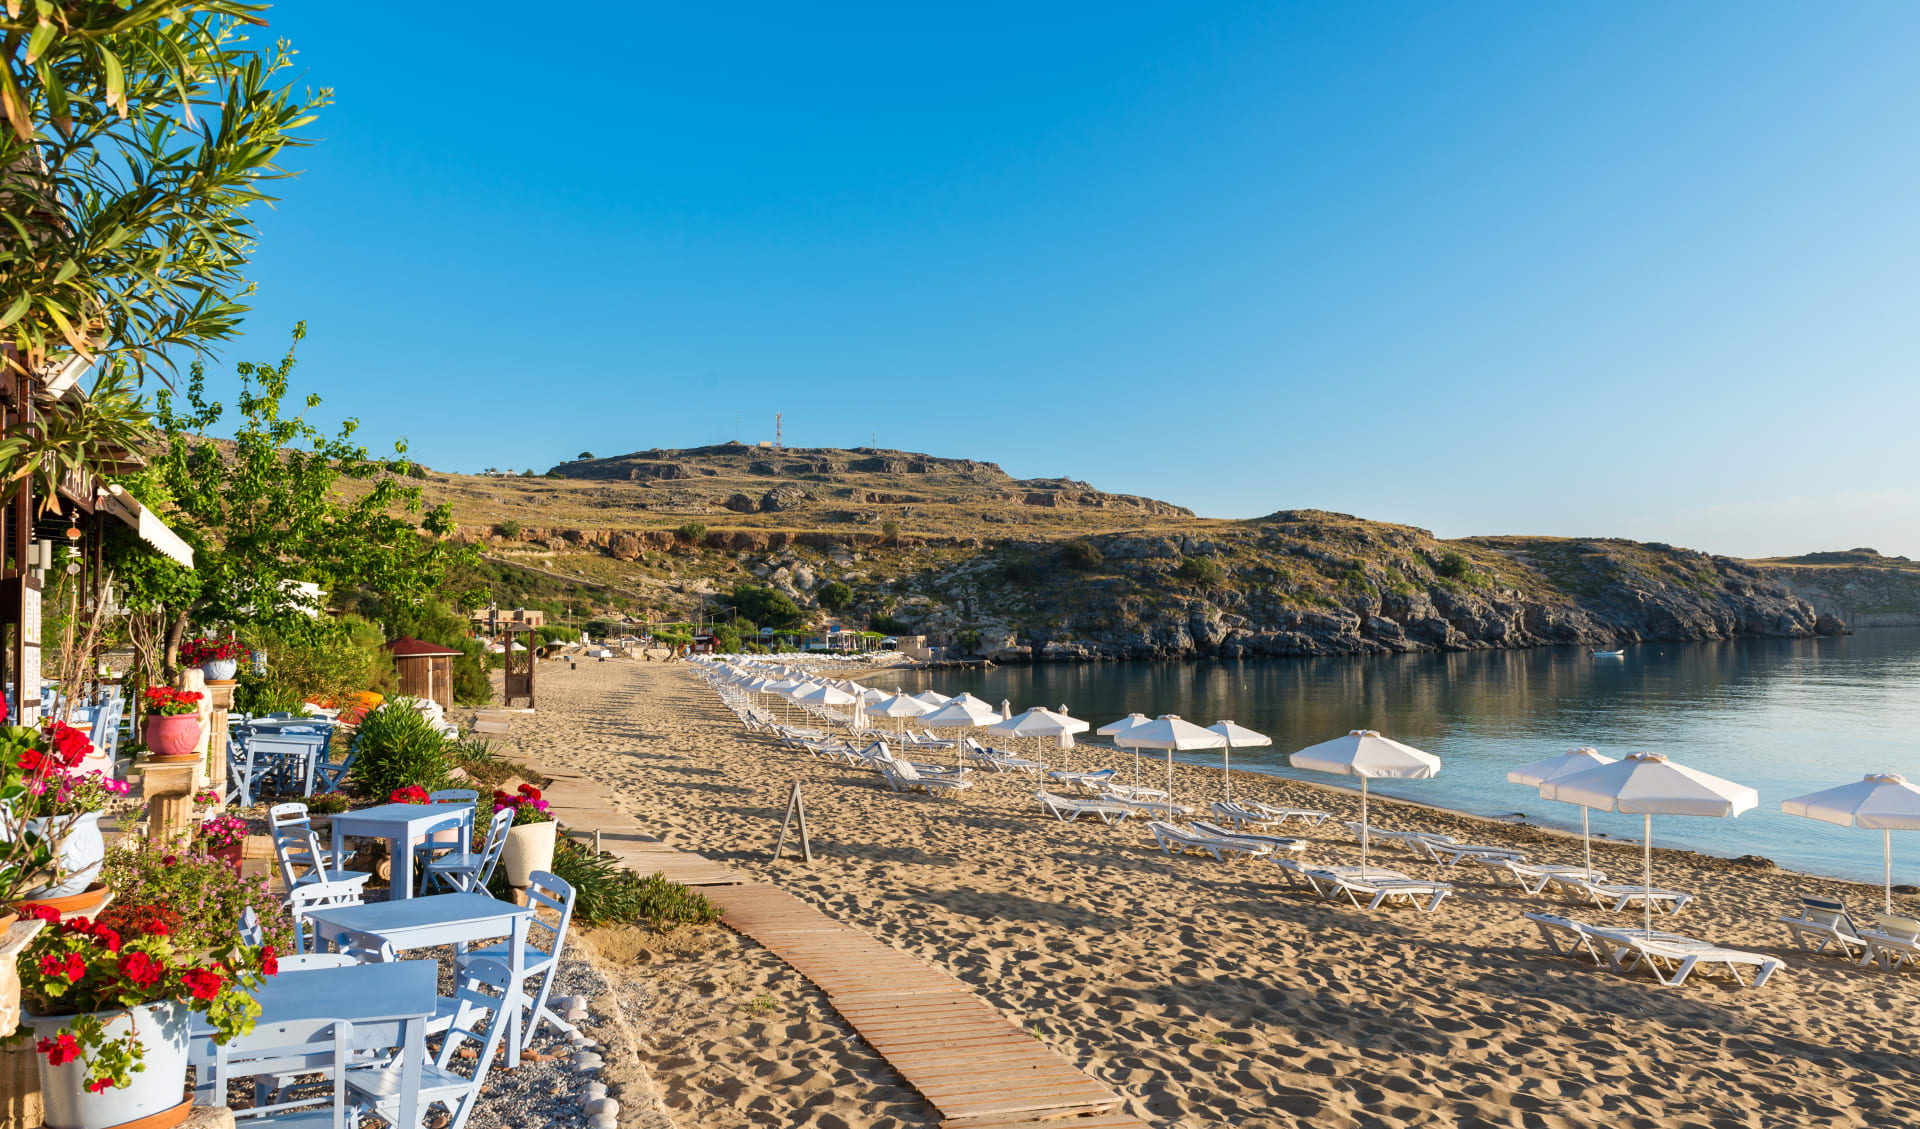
{"x":1785,"y":716}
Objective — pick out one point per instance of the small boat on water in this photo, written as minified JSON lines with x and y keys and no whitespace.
{"x":1620,"y":654}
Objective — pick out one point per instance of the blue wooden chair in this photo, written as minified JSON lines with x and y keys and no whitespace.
{"x":470,"y":871}
{"x":482,"y":997}
{"x":544,"y":892}
{"x":312,"y":1046}
{"x":329,"y":774}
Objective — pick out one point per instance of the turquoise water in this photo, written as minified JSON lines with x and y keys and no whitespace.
{"x":1784,"y":716}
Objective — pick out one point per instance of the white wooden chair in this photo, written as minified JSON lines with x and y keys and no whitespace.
{"x":544,"y":892}
{"x":314,"y":1046}
{"x":483,"y":994}
{"x":310,"y":883}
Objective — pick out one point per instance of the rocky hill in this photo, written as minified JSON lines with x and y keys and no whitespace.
{"x":1053,"y":569}
{"x":1859,"y":586}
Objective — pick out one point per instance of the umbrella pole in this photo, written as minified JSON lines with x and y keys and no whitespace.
{"x":1226,"y":771}
{"x":1586,"y":838}
{"x":1363,"y":828}
{"x":1169,"y":782}
{"x":1646,"y":870}
{"x":1886,"y":856}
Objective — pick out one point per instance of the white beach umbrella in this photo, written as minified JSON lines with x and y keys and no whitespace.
{"x":1646,"y":785}
{"x":1041,"y":723}
{"x":1553,"y":768}
{"x":1366,"y":754}
{"x":935,"y":697}
{"x":822,"y":695}
{"x":1169,"y":732}
{"x":873,"y":695}
{"x":1881,"y":801}
{"x":900,"y":707}
{"x":1238,"y":737}
{"x":963,"y":712}
{"x":1115,"y":728}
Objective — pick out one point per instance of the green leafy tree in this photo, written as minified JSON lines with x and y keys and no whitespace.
{"x":693,"y":532}
{"x":138,"y":135}
{"x":586,"y":454}
{"x":1201,"y":572}
{"x":768,"y":607}
{"x":834,"y":596}
{"x":264,"y":512}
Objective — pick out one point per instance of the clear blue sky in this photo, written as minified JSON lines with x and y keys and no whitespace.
{"x":1627,"y":269}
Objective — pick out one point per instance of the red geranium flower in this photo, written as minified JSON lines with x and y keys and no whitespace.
{"x":60,"y":1051}
{"x":40,"y":913}
{"x":142,"y":970}
{"x":108,"y":937}
{"x":99,"y":1085}
{"x":202,"y":983}
{"x":269,"y":963}
{"x":70,"y":967}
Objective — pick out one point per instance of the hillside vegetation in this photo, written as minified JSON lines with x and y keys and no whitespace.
{"x":1055,"y":569}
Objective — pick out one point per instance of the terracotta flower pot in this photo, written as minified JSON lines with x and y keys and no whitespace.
{"x":82,"y":904}
{"x":155,"y":1090}
{"x":173,"y":736}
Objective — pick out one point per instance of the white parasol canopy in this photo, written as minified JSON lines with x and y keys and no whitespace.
{"x":1038,"y":722}
{"x":1115,"y":728}
{"x":873,"y":695}
{"x":933,"y":697}
{"x":825,"y":696}
{"x":1366,"y":754}
{"x":1881,"y":801}
{"x":1646,"y":785}
{"x":1238,"y":737}
{"x":1553,"y":768}
{"x":1169,"y":732}
{"x":963,"y":712}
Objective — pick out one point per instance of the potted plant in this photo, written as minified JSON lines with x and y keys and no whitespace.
{"x":218,"y":659}
{"x":172,"y":727}
{"x":225,"y":838}
{"x":50,"y":844}
{"x":109,"y":1004}
{"x":530,"y":839}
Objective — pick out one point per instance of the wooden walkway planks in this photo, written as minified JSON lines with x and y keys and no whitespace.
{"x":977,"y":1069}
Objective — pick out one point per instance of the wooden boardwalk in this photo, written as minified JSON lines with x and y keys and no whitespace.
{"x":978,"y":1070}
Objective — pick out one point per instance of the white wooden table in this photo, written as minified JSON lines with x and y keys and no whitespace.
{"x":434,"y":920}
{"x":388,"y":1004}
{"x":399,"y":825}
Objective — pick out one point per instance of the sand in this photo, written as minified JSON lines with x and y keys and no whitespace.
{"x":1207,"y":994}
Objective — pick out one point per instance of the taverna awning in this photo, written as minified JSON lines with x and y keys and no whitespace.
{"x":145,"y":524}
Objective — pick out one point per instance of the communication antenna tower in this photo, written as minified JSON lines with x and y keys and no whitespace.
{"x":776,"y":431}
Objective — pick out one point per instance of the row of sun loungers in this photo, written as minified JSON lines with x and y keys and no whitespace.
{"x":1825,"y":926}
{"x":1670,"y":957}
{"x":1353,"y":883}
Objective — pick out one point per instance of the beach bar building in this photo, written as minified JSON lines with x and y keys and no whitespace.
{"x":426,"y":669}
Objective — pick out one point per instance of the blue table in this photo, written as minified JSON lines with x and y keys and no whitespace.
{"x":434,"y":920}
{"x":399,"y":825}
{"x":388,"y":1004}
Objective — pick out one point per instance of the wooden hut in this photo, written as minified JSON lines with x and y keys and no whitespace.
{"x":426,"y":669}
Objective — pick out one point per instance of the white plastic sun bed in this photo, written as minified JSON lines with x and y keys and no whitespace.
{"x":1178,"y":840}
{"x":1669,"y":956}
{"x":1617,"y":897}
{"x":1066,"y":809}
{"x":1376,"y":885}
{"x":906,"y":777}
{"x":1894,"y":941}
{"x":1264,"y":815}
{"x":1277,"y":843}
{"x":1824,"y":924}
{"x":1530,"y":877}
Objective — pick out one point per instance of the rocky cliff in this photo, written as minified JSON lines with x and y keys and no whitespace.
{"x":1859,"y":586}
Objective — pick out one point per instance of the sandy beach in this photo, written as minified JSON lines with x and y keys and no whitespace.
{"x":1207,"y":994}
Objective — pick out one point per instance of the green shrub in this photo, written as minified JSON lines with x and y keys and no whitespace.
{"x":508,"y":529}
{"x":890,"y":625}
{"x":209,"y":897}
{"x":1083,"y":555}
{"x":968,"y":640}
{"x":892,"y":531}
{"x":693,"y":532}
{"x":834,"y":596}
{"x":340,"y":658}
{"x":610,"y":894}
{"x":726,"y":637}
{"x":1453,"y":564}
{"x":768,"y":607}
{"x":1202,"y":572}
{"x":397,"y":748}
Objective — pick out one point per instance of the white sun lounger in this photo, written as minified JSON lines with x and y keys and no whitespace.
{"x":1823,"y":924}
{"x":1276,"y":842}
{"x":1178,"y":840}
{"x":1452,"y":854}
{"x":1148,"y":807}
{"x":1088,"y":782}
{"x":1066,"y":809}
{"x":1616,"y":897}
{"x":1669,"y":956}
{"x":1894,"y":941}
{"x":906,"y":777}
{"x":1262,"y":815}
{"x":1137,"y":792}
{"x":1377,"y":886}
{"x":1403,"y":839}
{"x":1530,"y":877}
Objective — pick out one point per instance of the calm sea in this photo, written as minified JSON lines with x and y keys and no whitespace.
{"x":1784,"y":716}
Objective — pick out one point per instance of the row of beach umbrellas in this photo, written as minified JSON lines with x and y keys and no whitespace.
{"x":1643,"y":784}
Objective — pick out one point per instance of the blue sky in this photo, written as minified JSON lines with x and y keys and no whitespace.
{"x":1643,"y":270}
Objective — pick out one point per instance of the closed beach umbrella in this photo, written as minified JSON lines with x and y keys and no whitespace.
{"x":1366,"y":754}
{"x":1169,"y":732}
{"x":1646,"y":785}
{"x":1114,"y":729}
{"x":1238,"y":737}
{"x":1882,"y":801}
{"x":1553,"y":768}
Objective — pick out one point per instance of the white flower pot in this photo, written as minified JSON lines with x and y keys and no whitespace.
{"x":529,"y":848}
{"x":162,"y":1030}
{"x":82,"y":853}
{"x":220,"y":670}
